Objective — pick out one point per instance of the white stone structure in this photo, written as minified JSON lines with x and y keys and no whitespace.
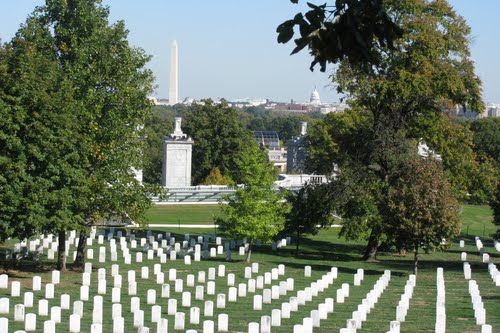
{"x":177,"y":152}
{"x":173,"y":90}
{"x":314,"y":99}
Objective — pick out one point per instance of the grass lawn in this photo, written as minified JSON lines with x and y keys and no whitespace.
{"x":477,"y":220}
{"x":321,"y":252}
{"x":182,"y":214}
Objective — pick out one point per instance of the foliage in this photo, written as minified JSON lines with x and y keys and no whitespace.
{"x":285,"y":123}
{"x":487,"y":137}
{"x":94,"y":101}
{"x":256,"y":211}
{"x":215,"y":177}
{"x":38,"y":162}
{"x":428,"y":71}
{"x":495,"y":206}
{"x":358,"y":31}
{"x":422,"y":210}
{"x":339,"y":138}
{"x":219,"y":139}
{"x":472,"y":175}
{"x":310,"y":211}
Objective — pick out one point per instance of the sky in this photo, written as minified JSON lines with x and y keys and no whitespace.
{"x":228,"y":48}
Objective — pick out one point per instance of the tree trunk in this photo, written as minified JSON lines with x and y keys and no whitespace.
{"x":298,"y":243}
{"x":61,"y":251}
{"x":80,"y":250}
{"x":249,"y":253}
{"x":415,"y":267}
{"x":371,"y":247}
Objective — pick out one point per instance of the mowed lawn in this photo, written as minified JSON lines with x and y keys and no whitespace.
{"x":182,"y":214}
{"x":321,"y":252}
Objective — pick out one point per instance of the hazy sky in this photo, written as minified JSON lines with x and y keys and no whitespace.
{"x":228,"y":48}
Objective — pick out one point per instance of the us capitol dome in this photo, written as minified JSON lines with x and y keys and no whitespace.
{"x":314,"y":99}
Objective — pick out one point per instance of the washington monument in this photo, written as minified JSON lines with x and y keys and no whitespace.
{"x":173,"y":90}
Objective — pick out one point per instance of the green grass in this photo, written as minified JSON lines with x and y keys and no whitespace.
{"x":182,"y":214}
{"x":321,"y":252}
{"x":477,"y":220}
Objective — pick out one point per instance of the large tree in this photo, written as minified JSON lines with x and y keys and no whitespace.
{"x":219,"y":139}
{"x":428,"y":70}
{"x":256,"y":211}
{"x":422,"y":211}
{"x":310,"y":212}
{"x":109,"y":86}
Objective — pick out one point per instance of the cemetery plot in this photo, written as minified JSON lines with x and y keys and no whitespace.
{"x":165,"y":283}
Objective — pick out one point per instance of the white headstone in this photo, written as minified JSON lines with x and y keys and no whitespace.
{"x":65,"y":302}
{"x":19,"y":312}
{"x":194,"y":315}
{"x":56,"y":277}
{"x":55,"y":314}
{"x":186,"y":299}
{"x":209,"y":309}
{"x":28,"y":299}
{"x":49,"y":326}
{"x":37,"y":283}
{"x":74,"y":323}
{"x":43,"y":307}
{"x":4,"y":305}
{"x":49,"y":291}
{"x":257,"y":302}
{"x":172,"y":306}
{"x":180,"y":319}
{"x":15,"y":289}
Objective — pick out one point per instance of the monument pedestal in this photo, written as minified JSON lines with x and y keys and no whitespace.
{"x":177,"y":152}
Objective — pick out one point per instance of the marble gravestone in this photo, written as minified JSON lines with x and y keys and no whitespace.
{"x":177,"y":151}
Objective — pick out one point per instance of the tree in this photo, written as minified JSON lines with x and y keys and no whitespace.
{"x":219,"y":139}
{"x":107,"y":94}
{"x":357,"y":31}
{"x":422,"y":211}
{"x":310,"y":211}
{"x":495,"y":206}
{"x":487,"y":137}
{"x":215,"y":177}
{"x":38,"y":160}
{"x":471,"y":174}
{"x":428,"y":71}
{"x":256,"y":211}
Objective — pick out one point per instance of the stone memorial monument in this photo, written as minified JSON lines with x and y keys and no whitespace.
{"x":297,"y":152}
{"x":177,"y":151}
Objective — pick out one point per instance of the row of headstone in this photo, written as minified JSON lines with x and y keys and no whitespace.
{"x":368,"y":303}
{"x":494,"y":274}
{"x":477,"y":303}
{"x":440,"y":326}
{"x":403,"y":305}
{"x":301,"y":298}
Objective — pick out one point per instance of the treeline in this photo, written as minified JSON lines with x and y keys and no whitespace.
{"x":219,"y":132}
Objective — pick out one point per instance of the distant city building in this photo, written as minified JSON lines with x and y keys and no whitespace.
{"x":296,"y":152}
{"x":177,"y":152}
{"x":173,"y":89}
{"x":297,"y":181}
{"x":493,"y":110}
{"x":269,"y":140}
{"x":314,"y":99}
{"x":465,"y":112}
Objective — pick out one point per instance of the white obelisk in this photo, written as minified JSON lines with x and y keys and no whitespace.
{"x":173,"y":90}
